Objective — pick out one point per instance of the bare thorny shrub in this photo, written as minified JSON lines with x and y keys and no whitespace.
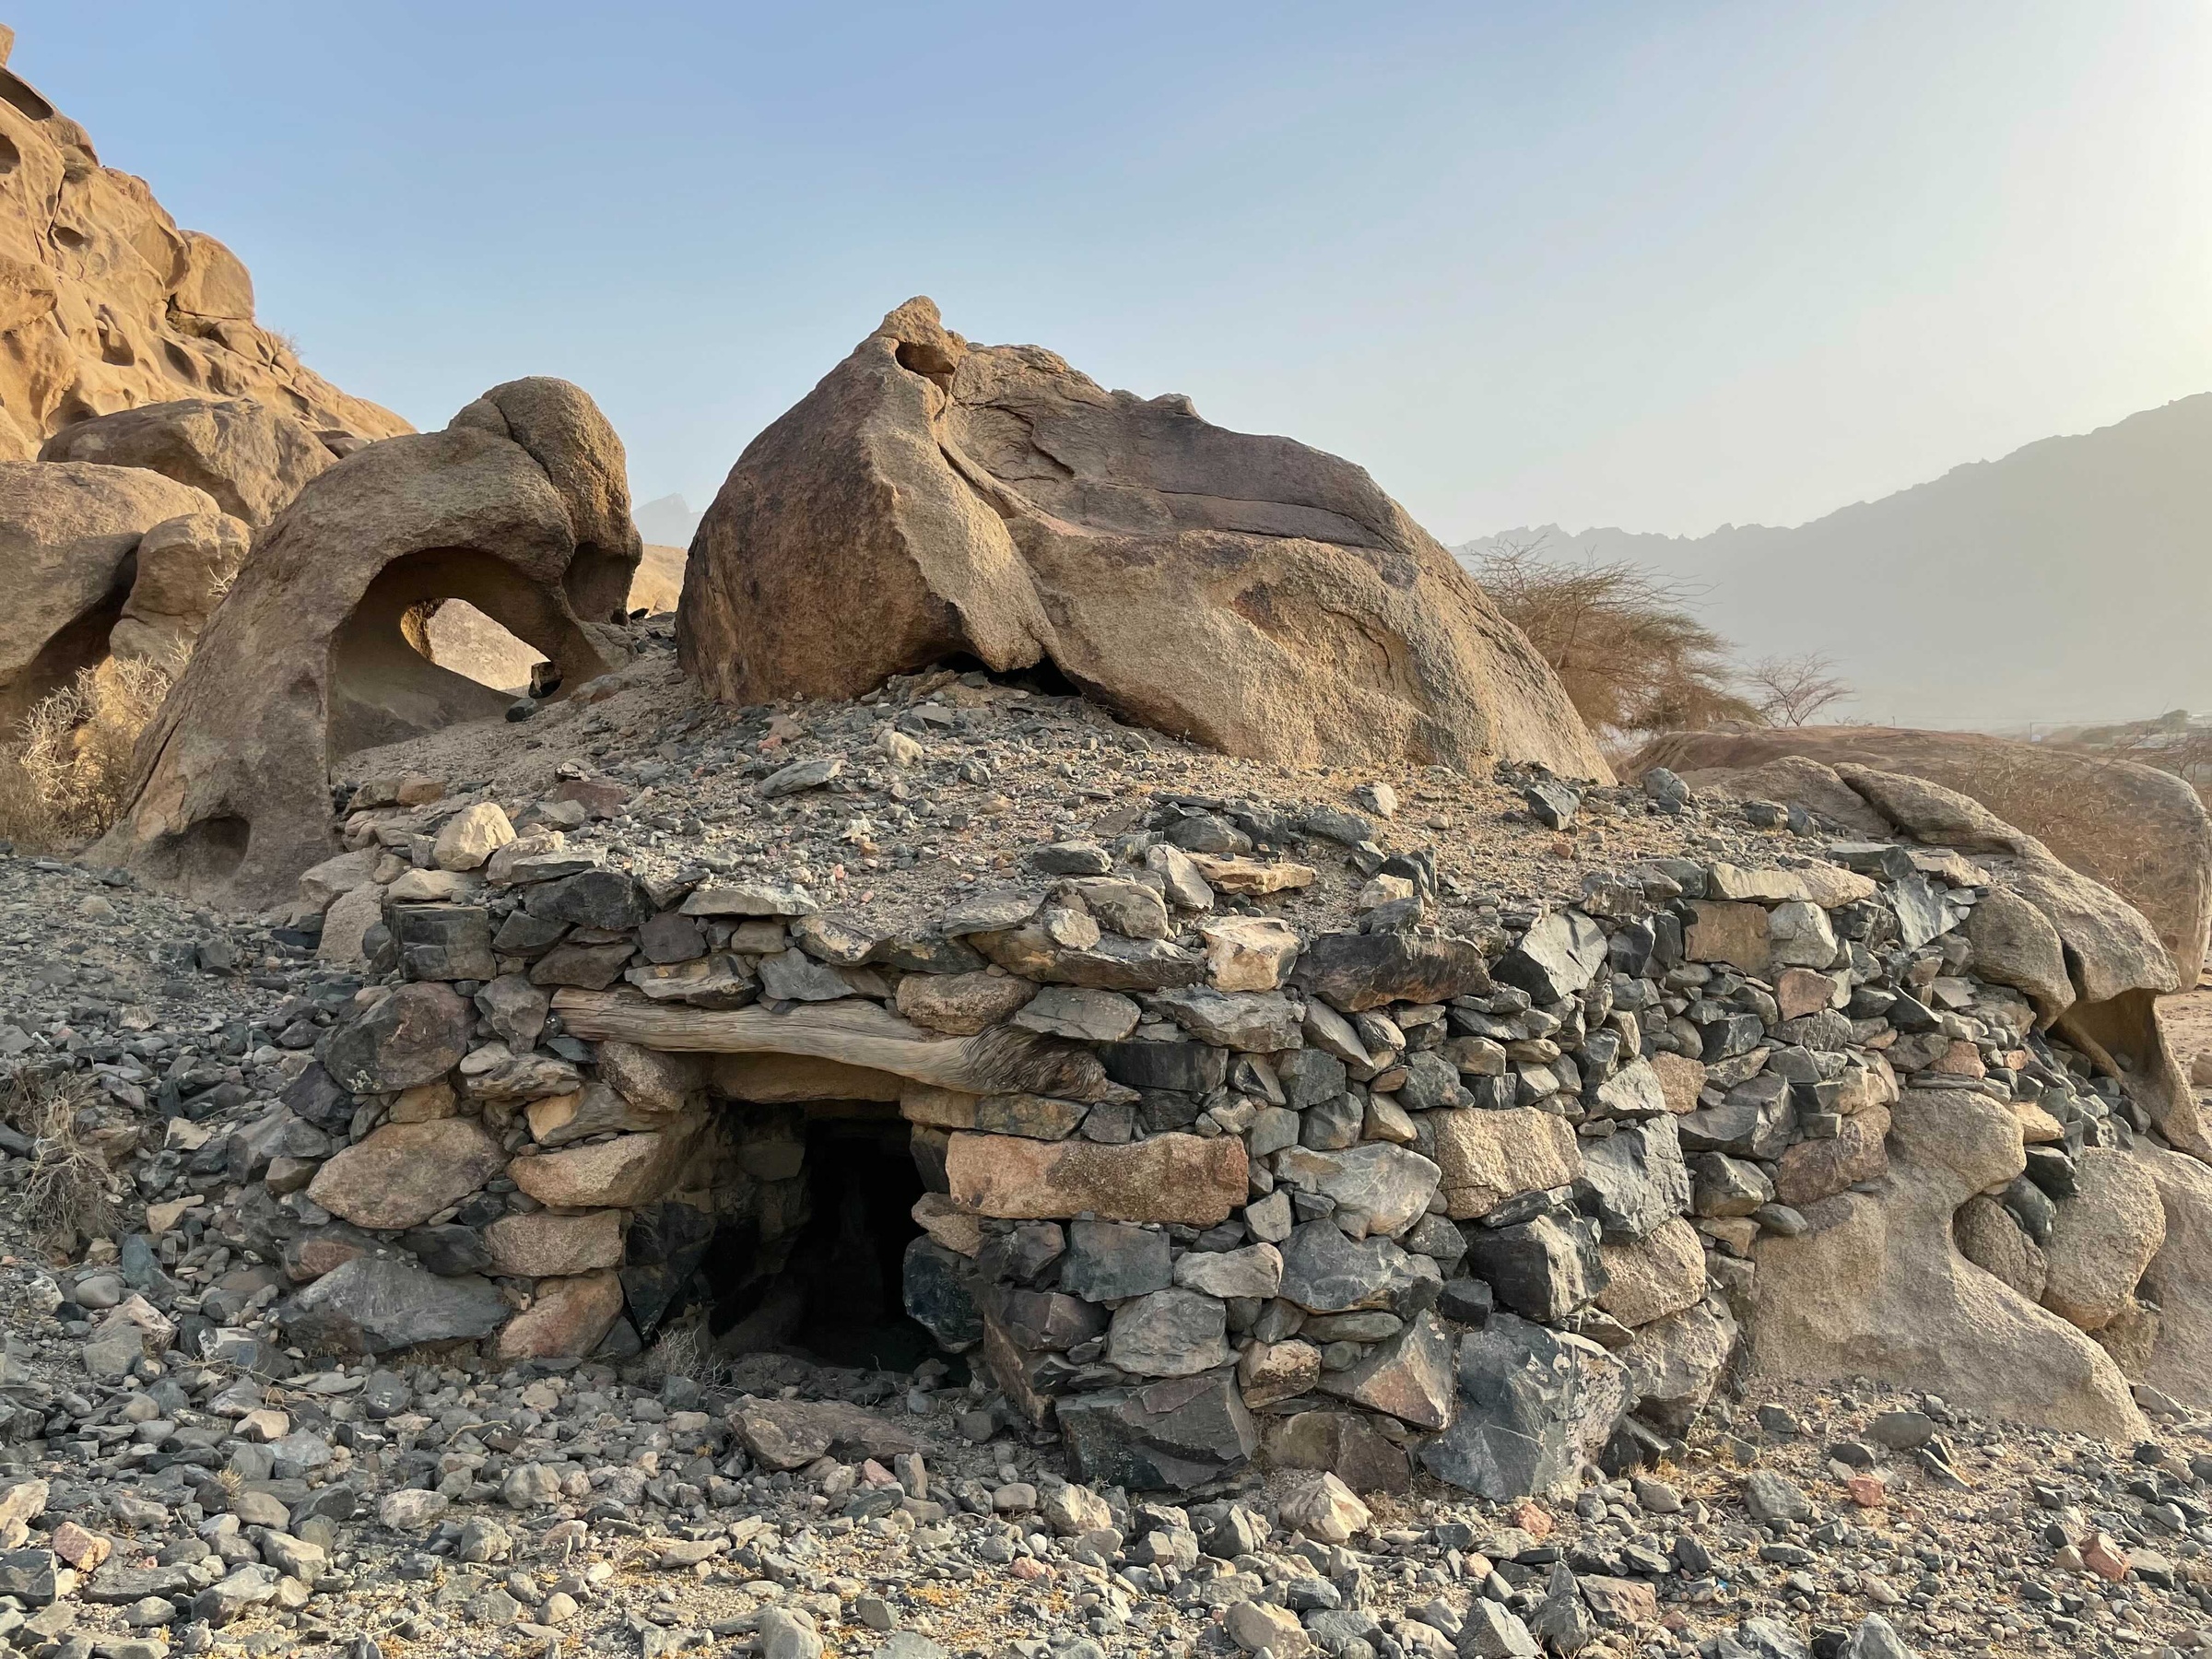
{"x":68,"y":1195}
{"x":65,"y":776}
{"x":1632,"y":658}
{"x":687,"y":1351}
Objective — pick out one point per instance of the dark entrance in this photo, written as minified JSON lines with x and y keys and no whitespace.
{"x":834,"y":1291}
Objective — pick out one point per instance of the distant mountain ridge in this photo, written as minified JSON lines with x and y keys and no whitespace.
{"x":667,"y":520}
{"x":2070,"y":580}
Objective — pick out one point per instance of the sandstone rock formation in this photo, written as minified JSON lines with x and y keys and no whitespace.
{"x":520,"y":507}
{"x":251,"y":457}
{"x":69,"y":548}
{"x":2142,"y":832}
{"x":106,"y":305}
{"x":930,"y":499}
{"x":1876,"y":1289}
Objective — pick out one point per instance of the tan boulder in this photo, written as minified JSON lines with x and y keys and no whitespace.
{"x":403,"y":1174}
{"x":68,"y":536}
{"x":2180,"y":1278}
{"x":519,"y":507}
{"x":649,"y":1077}
{"x":1166,"y":1178}
{"x":1488,"y":1157}
{"x":1248,"y":953}
{"x":185,"y":566}
{"x":1681,"y":1080}
{"x":1989,"y":1238}
{"x":1655,"y":1276}
{"x":471,"y":836}
{"x":1734,"y":932}
{"x":630,"y":1170}
{"x":566,"y":1318}
{"x":2015,"y":945}
{"x":1813,"y":1169}
{"x":962,"y":1003}
{"x":2104,"y":1236}
{"x":1875,"y":1288}
{"x":251,"y":458}
{"x":930,"y":499}
{"x":545,"y":1245}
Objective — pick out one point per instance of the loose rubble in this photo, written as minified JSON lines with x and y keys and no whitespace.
{"x":385,"y":1367}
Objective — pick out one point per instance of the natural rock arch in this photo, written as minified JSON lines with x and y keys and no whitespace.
{"x":520,"y":506}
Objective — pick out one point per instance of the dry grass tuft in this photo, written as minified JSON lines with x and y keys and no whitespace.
{"x":687,"y":1351}
{"x":68,"y":1195}
{"x":65,"y":778}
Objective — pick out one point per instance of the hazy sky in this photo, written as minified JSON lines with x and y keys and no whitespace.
{"x":1656,"y":265}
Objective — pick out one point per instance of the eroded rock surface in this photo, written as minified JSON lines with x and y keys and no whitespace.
{"x":931,"y":499}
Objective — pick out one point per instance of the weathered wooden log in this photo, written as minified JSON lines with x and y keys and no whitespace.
{"x":1003,"y":1060}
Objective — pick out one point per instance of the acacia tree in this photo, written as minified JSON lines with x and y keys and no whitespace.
{"x":1789,"y":691}
{"x":1633,"y":660}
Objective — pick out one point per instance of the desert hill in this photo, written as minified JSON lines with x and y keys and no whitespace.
{"x":2092,"y":546}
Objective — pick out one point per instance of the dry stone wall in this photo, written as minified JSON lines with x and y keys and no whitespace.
{"x":1202,"y":1189}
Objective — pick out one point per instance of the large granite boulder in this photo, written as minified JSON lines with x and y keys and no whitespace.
{"x":69,"y":538}
{"x":1876,"y":1287}
{"x":520,"y":507}
{"x":932,"y":498}
{"x":251,"y":458}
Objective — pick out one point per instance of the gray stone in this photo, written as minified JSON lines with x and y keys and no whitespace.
{"x":1728,"y":1187}
{"x":1634,"y":1091}
{"x":1756,"y":1119}
{"x":604,"y":898}
{"x":416,"y":1035}
{"x":1260,"y":1022}
{"x":1310,"y":1077}
{"x":1494,"y":1632}
{"x":1409,"y":1376}
{"x":1769,"y":1497}
{"x":1517,"y":1400}
{"x":374,"y":1304}
{"x":1188,"y":1067}
{"x":937,"y":1293}
{"x":1324,"y":1272}
{"x":1359,"y":971}
{"x":1552,"y":803}
{"x":801,"y":775}
{"x":1172,"y":1332}
{"x":794,"y":976}
{"x":1876,"y":1638}
{"x":1544,"y":1269}
{"x":1556,"y":958}
{"x":1389,"y":1185}
{"x":1430,"y":1081}
{"x":442,"y":941}
{"x":1071,"y":1011}
{"x":1179,"y":1433}
{"x":1634,"y":1180}
{"x":1254,"y":1271}
{"x":28,"y":1575}
{"x":1332,"y":1125}
{"x":1108,"y":1260}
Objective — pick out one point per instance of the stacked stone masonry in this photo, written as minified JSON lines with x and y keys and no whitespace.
{"x":1201,"y":1192}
